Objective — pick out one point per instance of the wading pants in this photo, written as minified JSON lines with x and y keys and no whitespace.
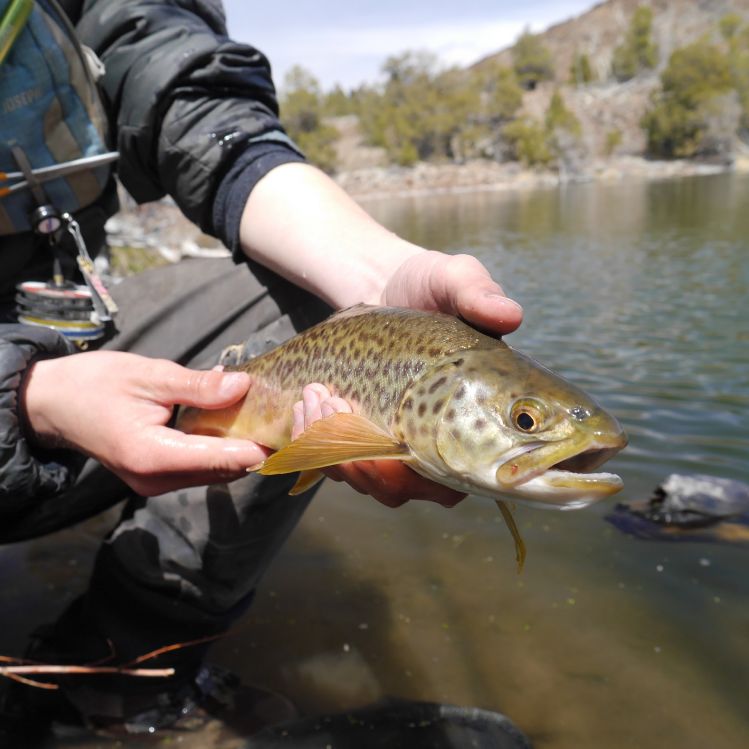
{"x":182,"y":565}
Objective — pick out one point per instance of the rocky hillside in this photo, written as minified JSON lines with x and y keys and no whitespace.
{"x":598,"y":31}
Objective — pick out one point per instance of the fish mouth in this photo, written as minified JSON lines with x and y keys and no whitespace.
{"x":563,"y":475}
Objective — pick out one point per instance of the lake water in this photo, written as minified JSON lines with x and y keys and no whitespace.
{"x":637,"y":292}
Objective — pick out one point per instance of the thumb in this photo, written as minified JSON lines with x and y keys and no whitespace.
{"x":205,"y":389}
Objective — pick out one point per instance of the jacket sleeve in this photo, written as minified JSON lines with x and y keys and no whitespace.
{"x":191,"y":108}
{"x":25,"y":473}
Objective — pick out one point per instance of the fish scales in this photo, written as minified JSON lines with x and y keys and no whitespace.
{"x":366,"y":356}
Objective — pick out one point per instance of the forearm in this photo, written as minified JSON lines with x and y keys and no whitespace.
{"x":299,"y":223}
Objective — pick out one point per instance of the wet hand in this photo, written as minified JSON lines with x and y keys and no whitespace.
{"x":455,"y":284}
{"x":115,"y":407}
{"x":389,"y":481}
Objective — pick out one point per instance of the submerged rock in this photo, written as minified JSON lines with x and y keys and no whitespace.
{"x":689,"y":507}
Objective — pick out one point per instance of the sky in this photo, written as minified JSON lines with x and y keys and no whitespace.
{"x":346,"y":42}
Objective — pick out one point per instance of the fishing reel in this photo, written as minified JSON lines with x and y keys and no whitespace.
{"x":82,"y":313}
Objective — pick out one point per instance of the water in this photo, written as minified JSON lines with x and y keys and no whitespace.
{"x":637,"y":292}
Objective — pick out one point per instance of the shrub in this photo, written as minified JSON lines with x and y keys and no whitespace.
{"x":420,"y":113}
{"x":301,"y":108}
{"x":581,"y":71}
{"x":638,"y":52}
{"x":693,"y":88}
{"x":558,"y":117}
{"x":527,"y":139}
{"x":613,"y":141}
{"x":531,"y":61}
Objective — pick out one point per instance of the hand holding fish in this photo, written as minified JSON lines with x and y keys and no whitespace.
{"x":457,"y":285}
{"x":299,"y":223}
{"x":115,"y":407}
{"x":390,"y":482}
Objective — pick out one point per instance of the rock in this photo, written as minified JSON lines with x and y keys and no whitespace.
{"x":689,"y":507}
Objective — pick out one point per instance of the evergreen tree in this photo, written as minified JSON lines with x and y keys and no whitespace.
{"x":531,"y":60}
{"x":301,"y":110}
{"x":581,"y":71}
{"x":638,"y":52}
{"x":693,"y":89}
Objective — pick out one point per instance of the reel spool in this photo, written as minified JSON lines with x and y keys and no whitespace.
{"x":66,"y":307}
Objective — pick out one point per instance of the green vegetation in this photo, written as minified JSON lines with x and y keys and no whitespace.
{"x":129,"y":261}
{"x":638,"y":52}
{"x":688,"y":107}
{"x":556,"y":140}
{"x":420,"y":113}
{"x":737,"y":39}
{"x":502,"y":93}
{"x":529,"y":142}
{"x":581,"y":72}
{"x":302,"y":115}
{"x":613,"y":141}
{"x":729,"y":25}
{"x":531,"y":61}
{"x":558,"y":117}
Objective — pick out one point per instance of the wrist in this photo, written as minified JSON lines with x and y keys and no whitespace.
{"x":300,"y":224}
{"x":36,"y":403}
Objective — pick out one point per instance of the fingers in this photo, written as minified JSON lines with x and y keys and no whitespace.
{"x":317,"y":403}
{"x":467,"y":289}
{"x":455,"y":284}
{"x":393,"y":484}
{"x":166,"y":459}
{"x":389,"y":481}
{"x":201,"y":389}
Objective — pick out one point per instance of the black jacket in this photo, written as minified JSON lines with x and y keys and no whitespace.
{"x":194,"y":116}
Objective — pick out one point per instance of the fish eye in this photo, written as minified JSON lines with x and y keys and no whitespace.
{"x":527,"y":415}
{"x":525,"y":421}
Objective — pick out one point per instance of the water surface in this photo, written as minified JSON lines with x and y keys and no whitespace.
{"x":636,"y":291}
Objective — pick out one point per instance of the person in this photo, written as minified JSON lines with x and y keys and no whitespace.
{"x":195,"y":117}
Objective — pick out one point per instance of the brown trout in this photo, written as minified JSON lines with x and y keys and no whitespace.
{"x":458,"y":406}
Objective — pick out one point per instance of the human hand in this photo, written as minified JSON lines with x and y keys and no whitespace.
{"x":115,"y":407}
{"x":390,"y":482}
{"x":455,"y":284}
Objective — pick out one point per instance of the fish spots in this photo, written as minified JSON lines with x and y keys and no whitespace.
{"x":437,"y":407}
{"x":408,"y":404}
{"x":450,"y":415}
{"x":460,"y":393}
{"x":479,"y":425}
{"x":422,"y":409}
{"x":437,"y":384}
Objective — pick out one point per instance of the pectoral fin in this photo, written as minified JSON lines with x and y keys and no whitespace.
{"x":306,"y":480}
{"x":339,"y":438}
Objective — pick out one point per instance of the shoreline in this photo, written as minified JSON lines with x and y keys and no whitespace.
{"x":374,"y":183}
{"x":137,"y":234}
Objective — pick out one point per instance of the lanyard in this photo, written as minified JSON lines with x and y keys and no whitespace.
{"x":12,"y":23}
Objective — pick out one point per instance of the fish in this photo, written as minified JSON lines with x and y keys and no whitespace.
{"x":456,"y":405}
